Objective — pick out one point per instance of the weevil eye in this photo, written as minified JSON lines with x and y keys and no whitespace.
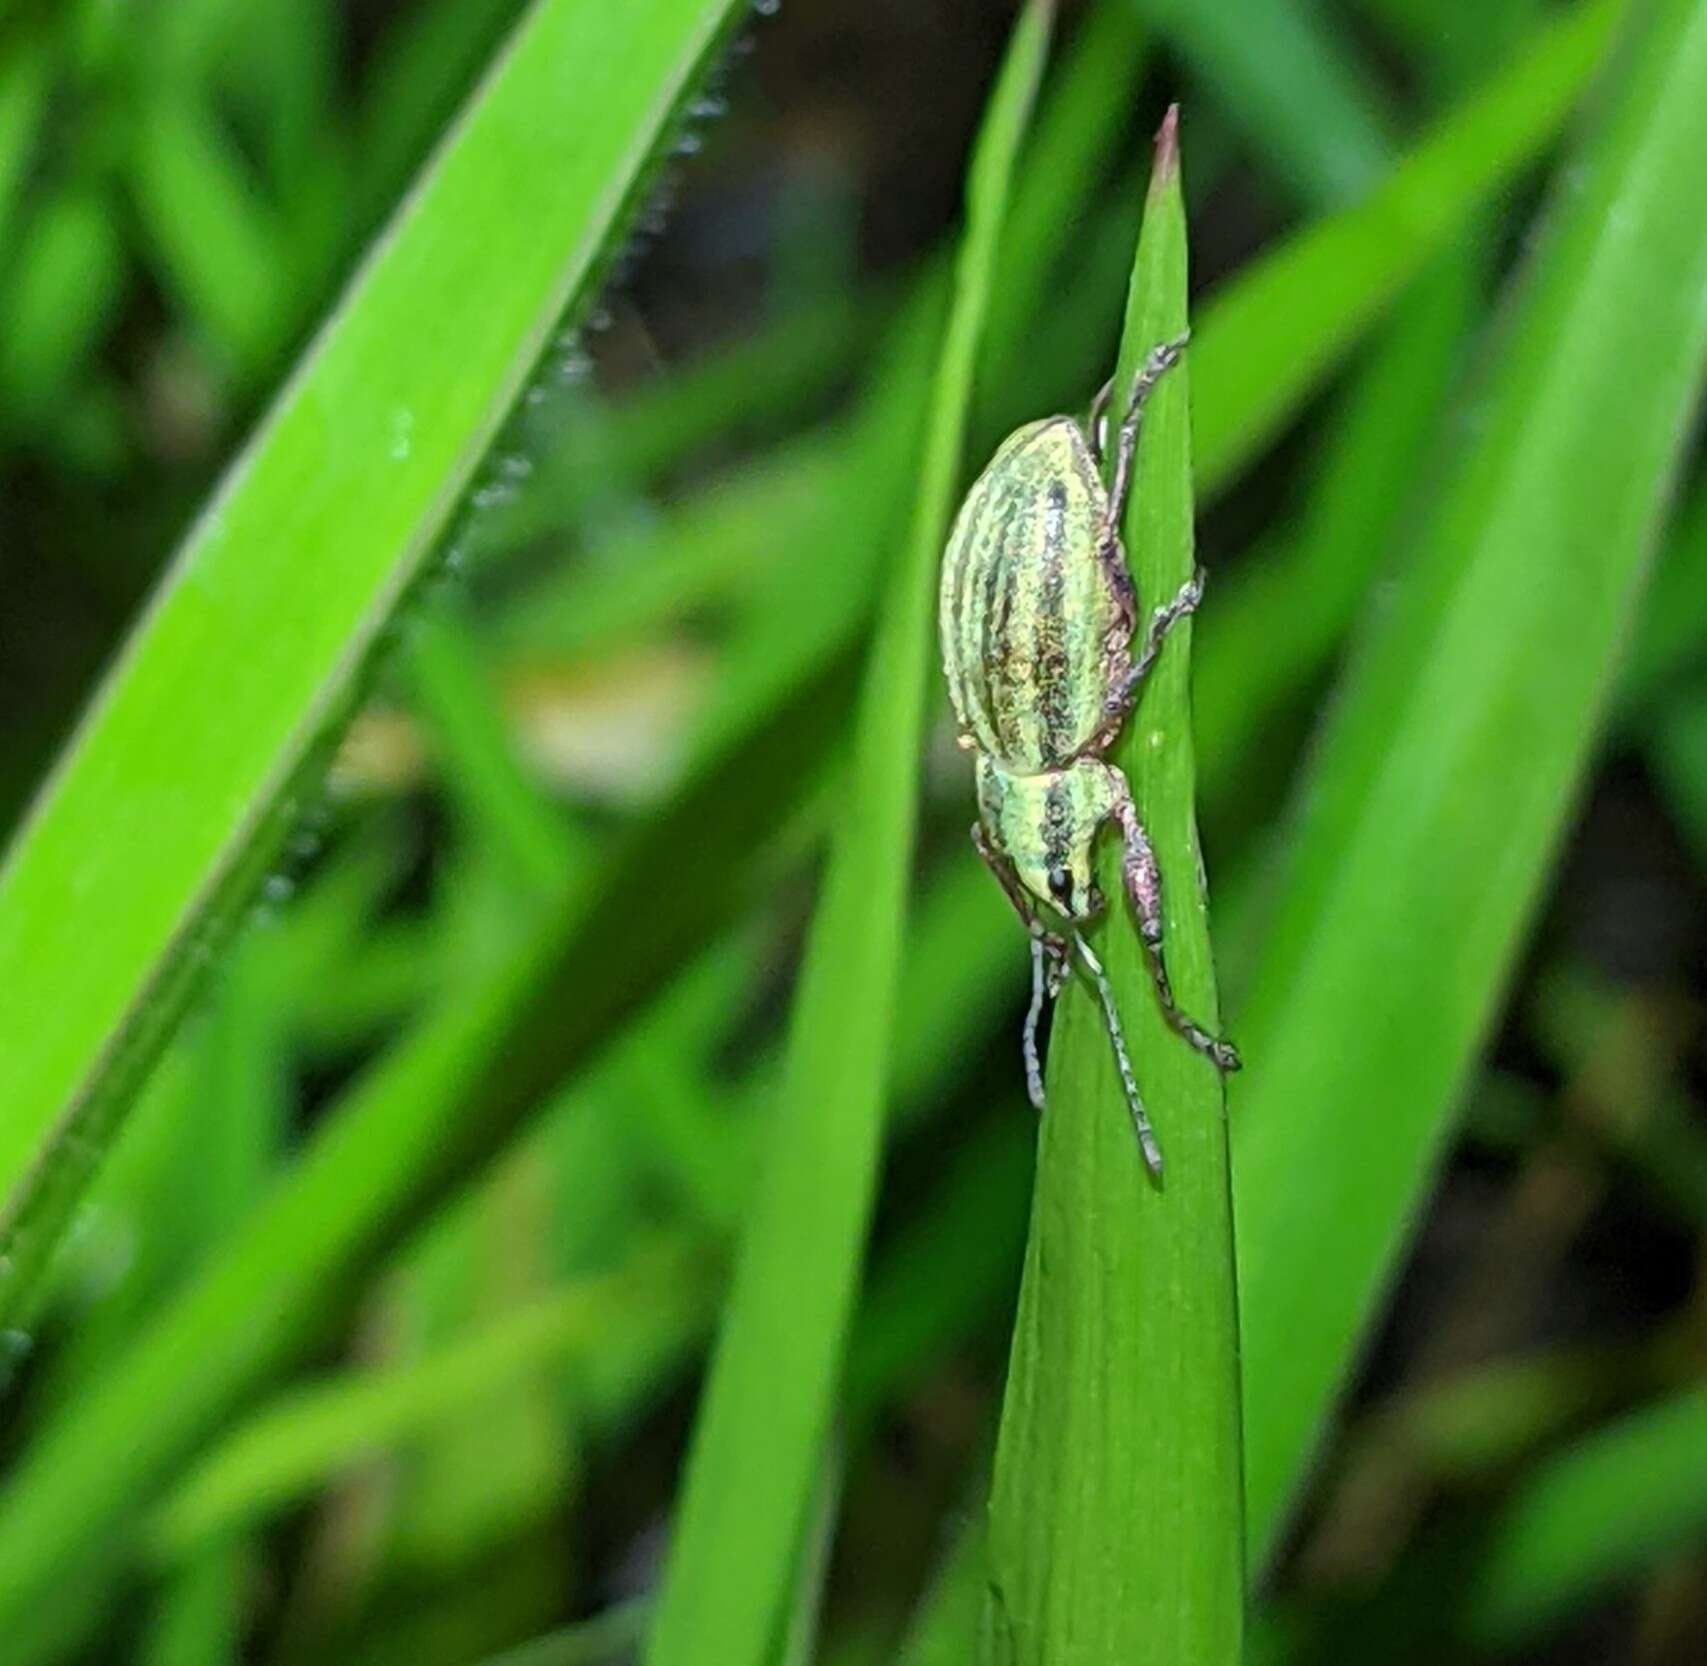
{"x":1061,"y":886}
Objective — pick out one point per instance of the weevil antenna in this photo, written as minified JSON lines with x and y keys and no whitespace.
{"x":1111,"y":1020}
{"x":1034,"y":1070}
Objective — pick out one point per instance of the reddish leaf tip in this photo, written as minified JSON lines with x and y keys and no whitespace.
{"x":1167,"y":146}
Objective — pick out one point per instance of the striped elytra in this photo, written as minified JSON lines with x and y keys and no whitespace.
{"x":1029,"y":614}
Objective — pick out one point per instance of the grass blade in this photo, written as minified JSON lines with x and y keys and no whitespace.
{"x":25,"y":81}
{"x":1284,"y":324}
{"x":427,"y":1113}
{"x":948,"y":1611}
{"x":215,"y":244}
{"x":60,"y":294}
{"x":1316,"y":577}
{"x":605,"y":1640}
{"x":1610,"y":1505}
{"x":1669,"y":642}
{"x":1283,"y":76}
{"x":1079,"y":128}
{"x":218,"y":711}
{"x":1115,"y":1519}
{"x":532,"y":845}
{"x":1442,"y":787}
{"x":198,"y":1620}
{"x":1594,"y":1515}
{"x":302,"y":1440}
{"x":761,"y":1431}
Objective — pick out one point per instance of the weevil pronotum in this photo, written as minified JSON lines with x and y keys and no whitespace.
{"x":1038,"y":615}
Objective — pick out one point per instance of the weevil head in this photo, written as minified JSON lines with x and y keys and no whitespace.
{"x":1046,"y":826}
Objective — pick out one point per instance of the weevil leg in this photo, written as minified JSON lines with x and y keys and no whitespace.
{"x":1112,"y":555}
{"x":1160,"y":361}
{"x":1096,"y":425}
{"x":1048,"y":975}
{"x":1123,"y":696}
{"x":1007,"y":879}
{"x":1109,"y":550}
{"x":1041,"y":977}
{"x":1143,"y":881}
{"x":1048,"y":960}
{"x":1122,"y":1059}
{"x":1060,"y":966}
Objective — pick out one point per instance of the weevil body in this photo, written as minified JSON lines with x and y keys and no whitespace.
{"x":1038,"y":616}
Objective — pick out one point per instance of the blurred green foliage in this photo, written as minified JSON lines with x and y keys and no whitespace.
{"x":403,"y":1087}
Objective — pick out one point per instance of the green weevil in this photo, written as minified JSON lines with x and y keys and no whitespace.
{"x":1038,"y":614}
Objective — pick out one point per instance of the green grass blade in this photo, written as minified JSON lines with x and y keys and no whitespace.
{"x":251,"y":654}
{"x":695,"y":559}
{"x":1284,"y":324}
{"x":1115,"y":1516}
{"x":61,"y":294}
{"x":761,"y":1430}
{"x":25,"y":83}
{"x":303,"y":1440}
{"x":736,"y":394}
{"x":1282,"y":75}
{"x":1317,"y":576}
{"x":605,"y":1640}
{"x":1590,"y":1518}
{"x":284,"y":73}
{"x":199,"y":1150}
{"x":803,"y":1615}
{"x":1676,"y":752}
{"x":1079,"y":127}
{"x":948,"y":1612}
{"x":219,"y":250}
{"x":502,"y":1457}
{"x":1478,"y":1425}
{"x":1447,"y":42}
{"x":430,"y":1110}
{"x":1627,"y":1091}
{"x":530,"y":843}
{"x":947,"y":1273}
{"x":422,"y":66}
{"x":1442,"y":787}
{"x":1673,"y":631}
{"x":198,"y":1619}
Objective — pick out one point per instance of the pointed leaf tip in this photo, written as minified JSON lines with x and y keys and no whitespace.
{"x":1167,"y":147}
